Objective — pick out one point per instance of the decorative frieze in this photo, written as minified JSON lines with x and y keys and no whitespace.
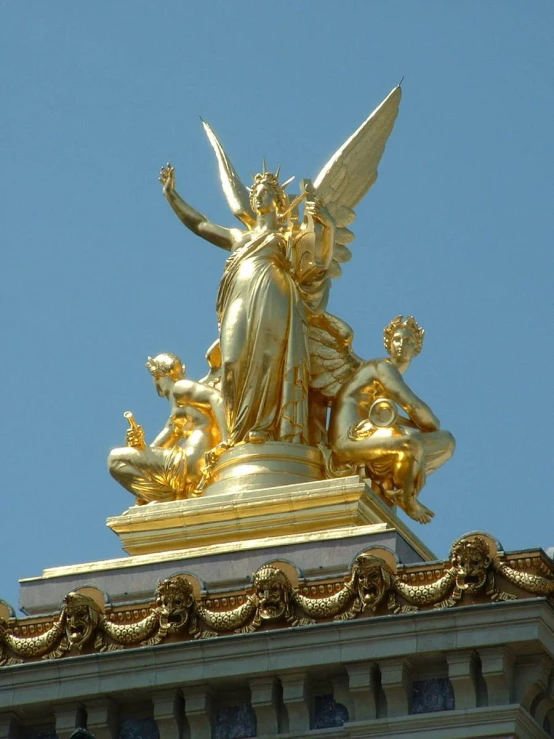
{"x":375,"y":586}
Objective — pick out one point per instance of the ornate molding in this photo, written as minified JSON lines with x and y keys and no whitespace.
{"x":376,"y":585}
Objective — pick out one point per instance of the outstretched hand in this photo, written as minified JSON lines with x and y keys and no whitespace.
{"x":167,"y":178}
{"x":318,"y":212}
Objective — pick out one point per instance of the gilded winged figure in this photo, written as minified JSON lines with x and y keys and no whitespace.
{"x":276,"y":280}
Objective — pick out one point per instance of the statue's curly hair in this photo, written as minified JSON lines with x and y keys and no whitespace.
{"x":409,"y":323}
{"x":165,"y":364}
{"x":270,"y":180}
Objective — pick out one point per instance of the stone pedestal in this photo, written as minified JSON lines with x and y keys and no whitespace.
{"x":220,"y":539}
{"x":230,"y":517}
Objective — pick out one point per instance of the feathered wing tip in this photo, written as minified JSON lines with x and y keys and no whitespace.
{"x":236,"y":194}
{"x":352,"y":169}
{"x":351,"y":172}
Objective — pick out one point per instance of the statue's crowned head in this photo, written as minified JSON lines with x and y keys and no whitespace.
{"x":407,"y":327}
{"x":166,"y":365}
{"x":266,"y":189}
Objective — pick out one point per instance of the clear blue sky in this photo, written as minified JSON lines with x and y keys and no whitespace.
{"x":98,"y":273}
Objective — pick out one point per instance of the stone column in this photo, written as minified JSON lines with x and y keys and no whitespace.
{"x":66,"y":720}
{"x":102,"y":718}
{"x":264,"y":693}
{"x":168,"y":712}
{"x":397,"y":685}
{"x":198,"y":710}
{"x":497,"y":666}
{"x":297,"y":697}
{"x":461,"y":672}
{"x":361,"y":683}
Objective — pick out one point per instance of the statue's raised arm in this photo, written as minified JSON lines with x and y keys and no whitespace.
{"x":192,"y":218}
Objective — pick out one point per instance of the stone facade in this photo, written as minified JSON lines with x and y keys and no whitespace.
{"x":347,"y":634}
{"x":469,"y":672}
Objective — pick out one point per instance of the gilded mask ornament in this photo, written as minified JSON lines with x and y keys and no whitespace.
{"x":373,"y":580}
{"x":272,"y":591}
{"x":471,"y":559}
{"x":82,"y":617}
{"x":174,"y":600}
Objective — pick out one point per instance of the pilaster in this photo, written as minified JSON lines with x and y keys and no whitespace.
{"x":397,"y":686}
{"x":361,"y":684}
{"x":168,"y":706}
{"x":264,"y":693}
{"x":102,"y":718}
{"x":297,"y":697}
{"x":461,"y":673}
{"x":66,"y":720}
{"x":497,"y":666}
{"x":199,"y":711}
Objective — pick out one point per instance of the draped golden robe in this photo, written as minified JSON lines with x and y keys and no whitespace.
{"x":264,"y":345}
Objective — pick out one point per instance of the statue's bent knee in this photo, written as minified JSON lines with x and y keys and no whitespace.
{"x":412,"y":447}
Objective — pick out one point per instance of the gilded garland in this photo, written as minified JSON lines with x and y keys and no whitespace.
{"x":474,"y":573}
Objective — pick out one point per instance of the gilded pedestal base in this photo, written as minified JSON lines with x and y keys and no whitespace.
{"x":256,"y":514}
{"x":262,"y":466}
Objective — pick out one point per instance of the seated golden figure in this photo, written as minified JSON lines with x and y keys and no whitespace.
{"x":366,"y":428}
{"x":171,"y":467}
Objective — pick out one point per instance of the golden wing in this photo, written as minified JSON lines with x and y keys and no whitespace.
{"x":352,"y":170}
{"x":332,"y":359}
{"x":236,"y":193}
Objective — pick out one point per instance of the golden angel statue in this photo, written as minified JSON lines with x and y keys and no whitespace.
{"x":282,"y":361}
{"x":277,"y":278}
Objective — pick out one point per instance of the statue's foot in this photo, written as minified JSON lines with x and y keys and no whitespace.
{"x":419,"y":512}
{"x":213,"y":455}
{"x":257,"y":437}
{"x":387,"y":494}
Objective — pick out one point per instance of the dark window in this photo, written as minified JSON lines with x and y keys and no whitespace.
{"x":327,"y":713}
{"x":234,"y":722}
{"x":139,"y":728}
{"x":432,"y":695}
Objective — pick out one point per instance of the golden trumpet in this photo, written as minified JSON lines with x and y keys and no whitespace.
{"x":132,"y":423}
